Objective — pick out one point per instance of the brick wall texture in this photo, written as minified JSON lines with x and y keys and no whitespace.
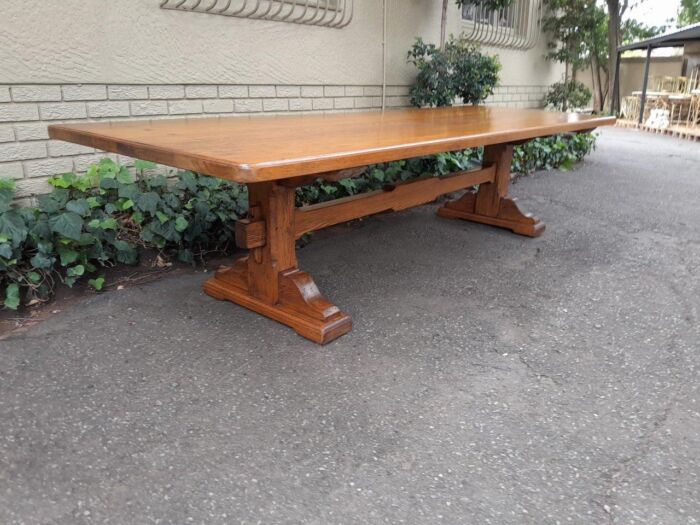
{"x":27,"y":154}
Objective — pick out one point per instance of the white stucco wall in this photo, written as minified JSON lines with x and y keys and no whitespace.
{"x":134,"y":41}
{"x":73,"y":60}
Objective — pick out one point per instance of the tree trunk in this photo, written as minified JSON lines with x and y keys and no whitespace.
{"x":615,"y":12}
{"x":443,"y":23}
{"x":595,"y":80}
{"x":564,"y":103}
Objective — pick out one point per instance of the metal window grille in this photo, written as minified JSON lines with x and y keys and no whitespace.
{"x":325,"y":13}
{"x":516,"y":26}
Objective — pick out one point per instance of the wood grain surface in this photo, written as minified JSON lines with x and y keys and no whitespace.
{"x":265,"y":148}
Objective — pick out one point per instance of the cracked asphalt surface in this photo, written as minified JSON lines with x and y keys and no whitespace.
{"x":489,"y":378}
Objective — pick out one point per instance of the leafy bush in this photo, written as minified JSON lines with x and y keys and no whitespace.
{"x":457,"y":70}
{"x":568,"y":95}
{"x":559,"y":151}
{"x":101,"y":218}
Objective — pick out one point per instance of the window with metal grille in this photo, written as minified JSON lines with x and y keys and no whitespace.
{"x":516,"y":26}
{"x":326,"y":13}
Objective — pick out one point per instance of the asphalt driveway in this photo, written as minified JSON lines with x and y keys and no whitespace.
{"x":489,"y":379}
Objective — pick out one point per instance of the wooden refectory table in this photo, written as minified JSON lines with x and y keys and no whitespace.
{"x":273,"y":155}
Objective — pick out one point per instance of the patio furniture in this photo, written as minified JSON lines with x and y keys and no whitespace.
{"x":274,"y":155}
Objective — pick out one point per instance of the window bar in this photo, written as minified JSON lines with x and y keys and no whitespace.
{"x":516,"y":26}
{"x":324,"y":13}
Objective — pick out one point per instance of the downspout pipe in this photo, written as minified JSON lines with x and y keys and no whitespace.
{"x":384,"y":55}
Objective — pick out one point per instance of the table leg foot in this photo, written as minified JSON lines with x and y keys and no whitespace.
{"x":300,"y":304}
{"x":508,"y":215}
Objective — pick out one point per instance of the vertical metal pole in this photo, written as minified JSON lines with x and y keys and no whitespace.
{"x":616,"y":87}
{"x":645,"y":86}
{"x":384,"y":55}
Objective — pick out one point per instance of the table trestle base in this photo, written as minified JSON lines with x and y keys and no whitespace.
{"x":491,"y":204}
{"x":300,"y":305}
{"x":268,"y":280}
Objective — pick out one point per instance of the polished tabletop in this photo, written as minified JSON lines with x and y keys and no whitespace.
{"x":262,"y":147}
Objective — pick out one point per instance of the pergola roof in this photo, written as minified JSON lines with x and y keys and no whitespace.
{"x":675,"y":39}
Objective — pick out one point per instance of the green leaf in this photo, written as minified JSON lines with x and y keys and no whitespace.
{"x":13,"y":227}
{"x":69,"y":224}
{"x":144,"y":165}
{"x":162,"y":217}
{"x":76,"y":271}
{"x":63,"y":181}
{"x":108,"y":184}
{"x":124,"y":176}
{"x":109,"y":224}
{"x":94,"y":202}
{"x":181,"y":223}
{"x":79,"y":206}
{"x":68,"y":255}
{"x":34,"y":277}
{"x":97,"y":283}
{"x":7,"y":194}
{"x":41,"y":262}
{"x":128,"y":203}
{"x":5,"y":251}
{"x":148,"y":202}
{"x":12,"y":296}
{"x":129,"y":191}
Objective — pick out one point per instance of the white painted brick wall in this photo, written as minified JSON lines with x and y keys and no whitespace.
{"x":59,"y":148}
{"x":63,"y":111}
{"x":127,"y":92}
{"x":218,"y":105}
{"x":149,"y":108}
{"x":84,"y":92}
{"x":248,"y":105}
{"x":108,"y":109}
{"x":18,"y":112}
{"x":322,"y":103}
{"x":233,"y":91}
{"x":31,"y":131}
{"x":185,"y":107}
{"x":7,"y":133}
{"x":288,"y":91}
{"x":275,"y":104}
{"x":10,"y":151}
{"x":28,"y":156}
{"x":334,"y":91}
{"x":261,"y":91}
{"x":159,"y":92}
{"x":311,"y":91}
{"x":36,"y":93}
{"x":300,"y":104}
{"x":48,"y":167}
{"x":11,"y":170}
{"x":201,"y":91}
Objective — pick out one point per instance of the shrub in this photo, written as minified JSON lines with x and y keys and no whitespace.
{"x":459,"y":70}
{"x":101,"y":218}
{"x":571,"y":95}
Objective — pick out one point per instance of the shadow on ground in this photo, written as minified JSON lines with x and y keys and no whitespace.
{"x":490,"y":378}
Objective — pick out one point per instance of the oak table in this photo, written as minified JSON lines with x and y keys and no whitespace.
{"x":273,"y":155}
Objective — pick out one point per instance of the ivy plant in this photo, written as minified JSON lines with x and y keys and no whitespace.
{"x":104,"y":217}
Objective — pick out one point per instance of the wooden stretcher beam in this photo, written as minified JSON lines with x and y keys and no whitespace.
{"x":394,"y":197}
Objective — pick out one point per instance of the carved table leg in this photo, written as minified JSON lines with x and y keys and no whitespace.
{"x":268,"y":280}
{"x":491,"y":204}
